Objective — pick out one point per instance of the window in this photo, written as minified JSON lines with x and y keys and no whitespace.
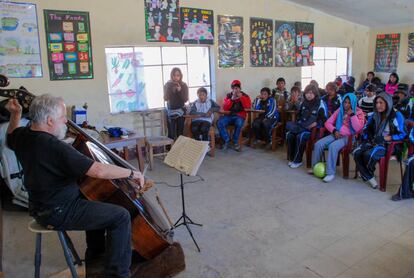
{"x":329,"y":63}
{"x":136,"y":74}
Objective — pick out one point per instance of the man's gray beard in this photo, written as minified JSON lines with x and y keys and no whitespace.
{"x":62,"y":132}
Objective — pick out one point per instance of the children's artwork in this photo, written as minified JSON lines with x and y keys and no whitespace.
{"x":19,"y":40}
{"x":126,"y":82}
{"x":285,"y":44}
{"x":162,"y":21}
{"x":386,"y":52}
{"x":197,"y":26}
{"x":230,"y":41}
{"x":261,"y":42}
{"x":410,"y":54}
{"x":69,"y":48}
{"x":304,"y":44}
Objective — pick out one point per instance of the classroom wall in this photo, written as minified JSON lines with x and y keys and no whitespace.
{"x":122,"y":23}
{"x":405,"y":70}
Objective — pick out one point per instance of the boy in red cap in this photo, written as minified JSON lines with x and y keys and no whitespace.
{"x":235,"y":103}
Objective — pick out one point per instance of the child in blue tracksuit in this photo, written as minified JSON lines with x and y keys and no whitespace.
{"x":406,"y":189}
{"x":384,"y":126}
{"x":263,"y":124}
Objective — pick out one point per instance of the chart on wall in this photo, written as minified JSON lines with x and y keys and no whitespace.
{"x":69,"y":48}
{"x":230,"y":41}
{"x":19,"y":40}
{"x":162,"y":20}
{"x":126,"y":81}
{"x":386,"y":52}
{"x":304,"y":44}
{"x":285,"y":44}
{"x":197,"y":26}
{"x":261,"y":42}
{"x":410,"y":54}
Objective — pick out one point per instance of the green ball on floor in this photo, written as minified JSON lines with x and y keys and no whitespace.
{"x":319,"y":170}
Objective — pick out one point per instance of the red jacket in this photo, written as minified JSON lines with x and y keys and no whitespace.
{"x":244,"y":100}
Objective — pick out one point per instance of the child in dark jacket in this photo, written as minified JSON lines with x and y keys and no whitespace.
{"x":298,"y":133}
{"x":367,"y":102}
{"x":361,"y":89}
{"x":402,"y":103}
{"x":205,"y":108}
{"x":294,"y":100}
{"x":332,"y":100}
{"x":384,"y":126}
{"x":262,"y":126}
{"x":280,"y":93}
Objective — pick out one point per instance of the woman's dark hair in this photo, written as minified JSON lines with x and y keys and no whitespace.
{"x":332,"y":85}
{"x":396,"y":76}
{"x":202,"y":90}
{"x":265,"y":89}
{"x":313,"y":89}
{"x":371,"y":88}
{"x":173,"y":71}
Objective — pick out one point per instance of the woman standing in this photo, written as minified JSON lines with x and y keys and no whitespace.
{"x":176,"y":95}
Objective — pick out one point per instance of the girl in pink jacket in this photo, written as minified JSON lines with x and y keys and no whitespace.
{"x":392,"y":84}
{"x":347,"y":120}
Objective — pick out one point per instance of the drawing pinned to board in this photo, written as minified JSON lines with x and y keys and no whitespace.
{"x":304,"y":44}
{"x":197,"y":26}
{"x":19,"y":40}
{"x":285,"y":44}
{"x":230,"y":41}
{"x":386,"y":52}
{"x":261,"y":42}
{"x":410,"y":54}
{"x":126,"y":82}
{"x":162,"y":20}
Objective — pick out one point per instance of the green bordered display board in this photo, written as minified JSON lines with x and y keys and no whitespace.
{"x":69,"y":48}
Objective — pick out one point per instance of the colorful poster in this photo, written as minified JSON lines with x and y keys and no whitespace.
{"x":19,"y":40}
{"x":304,"y":44}
{"x":197,"y":26}
{"x":261,"y":42}
{"x":285,"y":44}
{"x":162,"y":21}
{"x":410,"y":54}
{"x":230,"y":41}
{"x":386,"y":52}
{"x":69,"y":48}
{"x":126,"y":81}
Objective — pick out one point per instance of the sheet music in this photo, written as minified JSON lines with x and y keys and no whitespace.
{"x":186,"y":155}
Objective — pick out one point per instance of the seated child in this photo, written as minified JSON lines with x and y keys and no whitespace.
{"x":205,"y":108}
{"x":402,"y":103}
{"x":332,"y":100}
{"x":347,"y":120}
{"x":263,"y":124}
{"x":366,"y":103}
{"x":294,"y":100}
{"x":280,"y":93}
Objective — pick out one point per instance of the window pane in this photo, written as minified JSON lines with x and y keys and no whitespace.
{"x":305,"y":82}
{"x":154,"y":87}
{"x":167,"y":72}
{"x":119,"y":50}
{"x":318,"y":53}
{"x":318,"y":72}
{"x":193,"y":93}
{"x":341,"y":68}
{"x":174,"y":55}
{"x":199,"y":66}
{"x":330,"y":71}
{"x":306,"y":72}
{"x":330,"y":52}
{"x":148,"y":56}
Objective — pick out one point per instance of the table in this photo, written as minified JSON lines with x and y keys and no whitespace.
{"x":135,"y":140}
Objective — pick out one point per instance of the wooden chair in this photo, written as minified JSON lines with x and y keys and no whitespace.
{"x":211,"y":132}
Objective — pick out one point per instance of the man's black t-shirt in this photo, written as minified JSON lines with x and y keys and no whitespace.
{"x":50,"y":167}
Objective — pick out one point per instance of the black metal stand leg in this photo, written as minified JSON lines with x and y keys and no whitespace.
{"x":185,"y":220}
{"x":75,"y":255}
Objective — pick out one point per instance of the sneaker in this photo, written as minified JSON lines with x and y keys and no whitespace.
{"x":290,"y":163}
{"x":329,"y":178}
{"x":295,"y":165}
{"x":236,"y":147}
{"x":225,"y":146}
{"x":373,"y":183}
{"x":310,"y":171}
{"x":396,"y":197}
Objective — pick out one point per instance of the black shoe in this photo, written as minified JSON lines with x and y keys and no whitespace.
{"x":396,"y":197}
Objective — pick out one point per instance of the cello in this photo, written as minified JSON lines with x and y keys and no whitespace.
{"x":150,"y":232}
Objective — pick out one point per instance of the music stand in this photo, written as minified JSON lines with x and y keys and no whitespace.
{"x":186,"y":220}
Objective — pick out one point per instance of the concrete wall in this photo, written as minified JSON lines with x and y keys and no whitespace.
{"x":122,"y":23}
{"x":405,"y":70}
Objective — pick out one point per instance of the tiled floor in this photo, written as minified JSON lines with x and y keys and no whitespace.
{"x":263,"y":219}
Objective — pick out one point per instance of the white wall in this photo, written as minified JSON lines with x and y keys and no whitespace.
{"x":122,"y":23}
{"x":404,"y":69}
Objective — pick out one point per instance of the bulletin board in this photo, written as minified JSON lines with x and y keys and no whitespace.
{"x":197,"y":26}
{"x":261,"y":42}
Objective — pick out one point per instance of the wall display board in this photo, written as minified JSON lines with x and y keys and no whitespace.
{"x":19,"y":40}
{"x":261,"y":42}
{"x":69,"y":47}
{"x":410,"y":54}
{"x":304,"y":44}
{"x":386,"y":52}
{"x":285,"y":44}
{"x":230,"y":41}
{"x":162,"y":20}
{"x":197,"y":26}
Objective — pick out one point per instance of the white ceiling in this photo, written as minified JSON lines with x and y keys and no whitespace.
{"x":372,"y":13}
